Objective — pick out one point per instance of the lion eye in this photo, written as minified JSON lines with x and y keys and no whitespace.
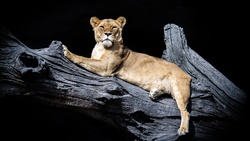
{"x":102,"y":27}
{"x":114,"y":27}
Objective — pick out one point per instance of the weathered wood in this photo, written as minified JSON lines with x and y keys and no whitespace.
{"x":216,"y":106}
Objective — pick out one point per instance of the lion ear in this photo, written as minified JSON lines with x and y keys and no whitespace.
{"x":122,"y":21}
{"x":94,"y":21}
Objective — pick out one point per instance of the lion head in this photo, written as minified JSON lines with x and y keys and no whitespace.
{"x":108,"y":31}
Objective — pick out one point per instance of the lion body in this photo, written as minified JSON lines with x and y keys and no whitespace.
{"x":110,"y":57}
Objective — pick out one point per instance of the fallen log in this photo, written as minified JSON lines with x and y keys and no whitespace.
{"x":45,"y":77}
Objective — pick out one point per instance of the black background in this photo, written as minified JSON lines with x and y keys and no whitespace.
{"x":216,"y":30}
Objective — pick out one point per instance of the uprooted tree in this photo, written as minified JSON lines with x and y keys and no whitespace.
{"x":45,"y":76}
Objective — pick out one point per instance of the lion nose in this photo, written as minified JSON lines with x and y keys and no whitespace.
{"x":107,"y":33}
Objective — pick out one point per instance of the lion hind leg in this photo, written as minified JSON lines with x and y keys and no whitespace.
{"x":182,"y":98}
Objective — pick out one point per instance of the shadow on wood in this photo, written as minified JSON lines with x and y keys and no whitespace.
{"x":36,"y":78}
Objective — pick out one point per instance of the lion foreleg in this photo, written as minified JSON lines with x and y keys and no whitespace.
{"x":93,"y":65}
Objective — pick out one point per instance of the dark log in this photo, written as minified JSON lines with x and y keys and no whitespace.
{"x":45,"y":76}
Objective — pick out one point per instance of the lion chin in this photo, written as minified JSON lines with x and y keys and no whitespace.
{"x":107,"y":43}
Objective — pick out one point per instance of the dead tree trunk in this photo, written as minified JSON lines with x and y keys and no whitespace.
{"x":44,"y":75}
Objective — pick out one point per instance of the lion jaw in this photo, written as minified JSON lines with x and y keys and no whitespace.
{"x":107,"y":43}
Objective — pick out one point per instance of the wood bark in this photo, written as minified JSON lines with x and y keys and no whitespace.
{"x":45,"y":76}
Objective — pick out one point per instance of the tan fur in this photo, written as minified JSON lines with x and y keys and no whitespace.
{"x":111,"y":58}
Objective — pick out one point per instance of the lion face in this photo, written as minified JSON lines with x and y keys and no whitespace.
{"x":108,"y":31}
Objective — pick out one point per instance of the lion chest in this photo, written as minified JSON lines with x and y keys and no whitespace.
{"x":97,"y":52}
{"x":110,"y":59}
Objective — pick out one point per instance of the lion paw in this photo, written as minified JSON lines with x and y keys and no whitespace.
{"x":65,"y":50}
{"x":153,"y":94}
{"x":182,"y":131}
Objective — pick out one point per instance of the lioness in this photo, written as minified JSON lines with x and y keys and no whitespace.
{"x":110,"y":57}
